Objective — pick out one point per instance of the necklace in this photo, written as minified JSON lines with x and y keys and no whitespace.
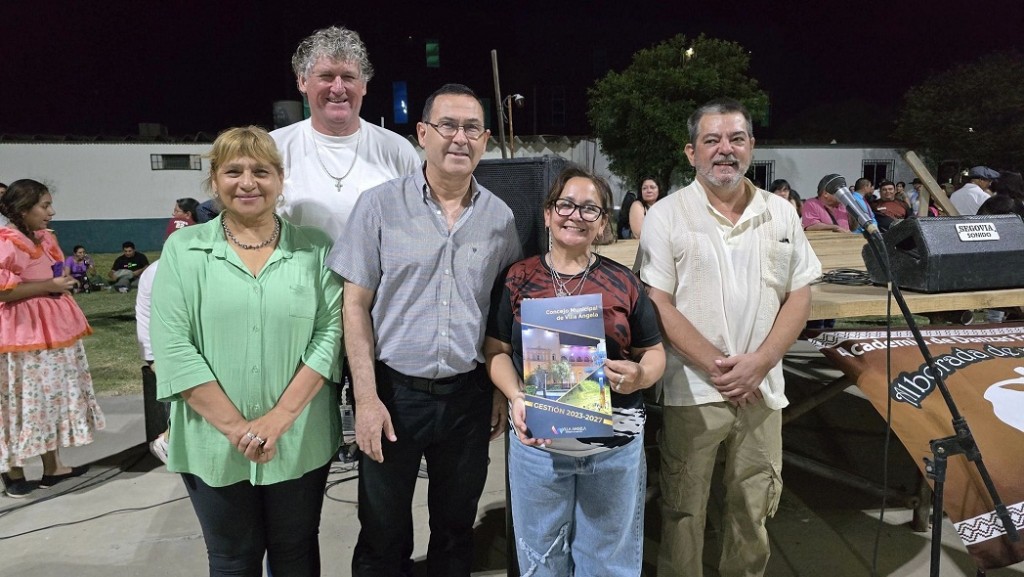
{"x":561,"y":286}
{"x":268,"y":242}
{"x":355,"y":156}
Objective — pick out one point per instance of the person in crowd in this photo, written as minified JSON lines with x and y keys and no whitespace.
{"x":889,"y":209}
{"x":127,"y":267}
{"x":781,"y":188}
{"x":825,"y":212}
{"x":184,"y":214}
{"x":728,"y":268}
{"x":650,"y":193}
{"x":143,"y":303}
{"x":553,"y":482}
{"x":333,"y":156}
{"x":969,"y":197}
{"x":863,"y":192}
{"x":914,"y":194}
{"x":46,"y":392}
{"x":81,"y":268}
{"x":622,"y":221}
{"x":1002,"y":204}
{"x":245,"y":330}
{"x":428,"y":246}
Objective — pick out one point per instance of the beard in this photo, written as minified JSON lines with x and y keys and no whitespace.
{"x":708,"y":172}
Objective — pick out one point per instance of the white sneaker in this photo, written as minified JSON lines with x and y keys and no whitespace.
{"x":158,"y":447}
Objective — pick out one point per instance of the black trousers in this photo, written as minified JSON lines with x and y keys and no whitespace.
{"x":452,"y":431}
{"x":242,"y":522}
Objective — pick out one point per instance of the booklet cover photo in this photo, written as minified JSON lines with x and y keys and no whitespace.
{"x":563,"y":367}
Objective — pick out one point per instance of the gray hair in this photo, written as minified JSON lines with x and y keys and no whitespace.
{"x":336,"y":43}
{"x":718,"y":106}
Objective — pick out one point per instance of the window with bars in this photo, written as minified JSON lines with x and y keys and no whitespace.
{"x":878,"y":170}
{"x":762,"y":173}
{"x":175,"y":161}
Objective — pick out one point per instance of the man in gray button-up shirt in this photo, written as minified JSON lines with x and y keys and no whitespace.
{"x":420,"y":256}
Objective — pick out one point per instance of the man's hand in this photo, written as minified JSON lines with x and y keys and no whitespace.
{"x":373,"y":419}
{"x":741,"y":375}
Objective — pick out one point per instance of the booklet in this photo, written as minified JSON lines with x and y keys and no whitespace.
{"x":567,"y":394}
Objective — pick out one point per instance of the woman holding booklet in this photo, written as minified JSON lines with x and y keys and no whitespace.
{"x":586,"y":491}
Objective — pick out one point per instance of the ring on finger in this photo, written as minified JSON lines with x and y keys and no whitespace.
{"x":259,"y":440}
{"x":250,"y":436}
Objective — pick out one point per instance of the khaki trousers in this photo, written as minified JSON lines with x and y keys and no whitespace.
{"x":753,"y":484}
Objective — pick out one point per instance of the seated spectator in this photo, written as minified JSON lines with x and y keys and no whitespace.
{"x":81,"y":268}
{"x":650,"y":193}
{"x":863,"y":193}
{"x":794,"y":199}
{"x":183,"y":214}
{"x":1002,"y":204}
{"x":127,"y":267}
{"x":825,"y":212}
{"x":780,"y":187}
{"x":888,"y":209}
{"x":914,"y":194}
{"x":968,"y":198}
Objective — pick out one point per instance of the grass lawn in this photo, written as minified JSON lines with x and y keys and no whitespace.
{"x":114,"y":359}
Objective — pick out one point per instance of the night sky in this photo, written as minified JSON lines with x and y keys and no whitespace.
{"x":100,"y":68}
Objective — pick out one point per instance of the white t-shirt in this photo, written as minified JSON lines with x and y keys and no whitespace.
{"x":143,"y":299}
{"x":311,"y":196}
{"x":968,"y":198}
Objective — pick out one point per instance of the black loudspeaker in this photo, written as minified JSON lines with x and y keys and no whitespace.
{"x":953,"y":253}
{"x":523,"y":184}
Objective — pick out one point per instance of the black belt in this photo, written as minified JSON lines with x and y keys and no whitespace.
{"x":445,"y":386}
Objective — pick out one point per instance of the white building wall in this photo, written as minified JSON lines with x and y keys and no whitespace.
{"x":105,"y":180}
{"x":115,"y":180}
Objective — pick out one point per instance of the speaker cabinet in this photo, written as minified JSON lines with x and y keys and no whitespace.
{"x":953,"y":253}
{"x":523,"y":184}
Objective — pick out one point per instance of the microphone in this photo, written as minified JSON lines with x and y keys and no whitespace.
{"x":837,"y":186}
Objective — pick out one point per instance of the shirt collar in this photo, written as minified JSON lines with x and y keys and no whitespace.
{"x":210,"y":237}
{"x":424,"y":186}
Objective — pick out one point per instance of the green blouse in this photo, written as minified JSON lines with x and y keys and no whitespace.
{"x":212,"y":320}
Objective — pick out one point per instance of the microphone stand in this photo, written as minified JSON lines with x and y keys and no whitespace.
{"x":961,"y":442}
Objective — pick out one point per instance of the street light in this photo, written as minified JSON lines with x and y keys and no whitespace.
{"x":518,"y":101}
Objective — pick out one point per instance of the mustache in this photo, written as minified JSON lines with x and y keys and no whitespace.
{"x":725,"y":158}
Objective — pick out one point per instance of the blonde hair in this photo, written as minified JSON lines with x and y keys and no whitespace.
{"x":251,"y":141}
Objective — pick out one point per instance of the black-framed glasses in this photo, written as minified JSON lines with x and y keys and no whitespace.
{"x":450,"y":129}
{"x":588,"y":212}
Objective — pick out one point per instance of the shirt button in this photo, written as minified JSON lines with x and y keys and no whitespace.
{"x":444,"y":303}
{"x":447,"y":271}
{"x":444,"y":333}
{"x":255,"y":370}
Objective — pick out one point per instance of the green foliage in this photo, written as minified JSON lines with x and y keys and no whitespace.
{"x":973,"y":112}
{"x":640,"y":113}
{"x":559,"y":373}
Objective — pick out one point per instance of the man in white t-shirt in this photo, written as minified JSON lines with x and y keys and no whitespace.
{"x":968,"y":198}
{"x":333,"y":156}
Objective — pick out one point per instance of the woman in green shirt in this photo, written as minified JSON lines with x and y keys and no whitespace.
{"x":246,"y":329}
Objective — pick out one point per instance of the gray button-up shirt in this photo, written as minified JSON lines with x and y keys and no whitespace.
{"x":432,"y":286}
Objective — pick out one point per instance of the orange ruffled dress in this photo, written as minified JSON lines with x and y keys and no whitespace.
{"x":46,"y":393}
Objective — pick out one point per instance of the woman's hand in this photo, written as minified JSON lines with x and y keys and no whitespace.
{"x":625,"y":376}
{"x":62,"y":284}
{"x":519,"y":422}
{"x":259,"y":442}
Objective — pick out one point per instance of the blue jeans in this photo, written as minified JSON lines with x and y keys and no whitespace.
{"x":241,"y":522}
{"x":595,"y":502}
{"x":453,"y":432}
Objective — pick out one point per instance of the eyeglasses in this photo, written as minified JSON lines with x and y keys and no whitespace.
{"x":588,"y":212}
{"x":450,"y":129}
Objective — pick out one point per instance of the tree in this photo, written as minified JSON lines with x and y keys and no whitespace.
{"x":973,"y":113}
{"x":640,"y":114}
